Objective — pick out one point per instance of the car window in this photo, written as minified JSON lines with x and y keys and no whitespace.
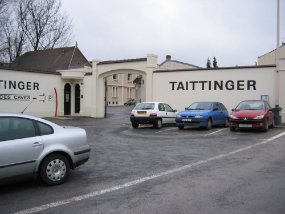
{"x":201,"y":106}
{"x":161,"y":107}
{"x":45,"y":129}
{"x":12,"y":128}
{"x":267,"y":105}
{"x":145,"y":106}
{"x":223,"y":107}
{"x":168,"y":108}
{"x":4,"y":128}
{"x":216,"y":106}
{"x":248,"y":105}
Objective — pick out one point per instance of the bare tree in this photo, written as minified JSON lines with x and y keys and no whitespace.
{"x":32,"y":25}
{"x":44,"y":26}
{"x":4,"y":16}
{"x":15,"y":40}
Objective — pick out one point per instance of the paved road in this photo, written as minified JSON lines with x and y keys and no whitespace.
{"x":163,"y":171}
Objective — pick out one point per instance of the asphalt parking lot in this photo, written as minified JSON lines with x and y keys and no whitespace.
{"x":166,"y":170}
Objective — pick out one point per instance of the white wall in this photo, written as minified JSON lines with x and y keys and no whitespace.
{"x":34,"y":89}
{"x":178,"y":98}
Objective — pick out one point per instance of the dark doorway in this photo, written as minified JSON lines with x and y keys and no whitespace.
{"x":67,"y":99}
{"x":77,"y":98}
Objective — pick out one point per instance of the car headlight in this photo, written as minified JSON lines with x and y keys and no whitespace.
{"x":178,"y":115}
{"x":233,"y":117}
{"x":198,"y":116}
{"x":259,"y":117}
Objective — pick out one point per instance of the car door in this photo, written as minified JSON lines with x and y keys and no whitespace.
{"x":170,"y":113}
{"x":270,"y":113}
{"x":216,"y":114}
{"x":224,"y":114}
{"x":19,"y":147}
{"x":162,"y":113}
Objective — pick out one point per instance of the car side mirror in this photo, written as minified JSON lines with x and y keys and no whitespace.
{"x":186,"y":108}
{"x":174,"y":110}
{"x":215,"y":109}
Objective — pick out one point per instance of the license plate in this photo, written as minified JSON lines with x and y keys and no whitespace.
{"x":245,"y":125}
{"x":141,"y":112}
{"x":187,"y":120}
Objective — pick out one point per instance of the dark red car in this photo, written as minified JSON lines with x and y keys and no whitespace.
{"x":255,"y":114}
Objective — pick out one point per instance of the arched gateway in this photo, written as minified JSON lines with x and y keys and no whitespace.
{"x":141,"y":66}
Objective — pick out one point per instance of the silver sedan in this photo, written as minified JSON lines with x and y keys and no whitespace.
{"x":34,"y":147}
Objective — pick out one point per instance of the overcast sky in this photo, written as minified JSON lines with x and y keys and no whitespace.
{"x":236,"y":32}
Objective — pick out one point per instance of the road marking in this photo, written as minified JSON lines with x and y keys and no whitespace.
{"x":142,"y":180}
{"x":164,"y":130}
{"x":214,"y":132}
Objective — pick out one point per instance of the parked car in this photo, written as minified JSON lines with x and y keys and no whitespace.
{"x":203,"y":114}
{"x":34,"y":147}
{"x":130,"y":102}
{"x":156,"y":113}
{"x":252,"y":114}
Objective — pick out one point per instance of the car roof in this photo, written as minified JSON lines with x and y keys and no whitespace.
{"x":153,"y":102}
{"x":206,"y":102}
{"x":26,"y":116}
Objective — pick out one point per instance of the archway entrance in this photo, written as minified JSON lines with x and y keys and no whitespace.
{"x":67,"y":99}
{"x":130,"y":67}
{"x":77,"y":98}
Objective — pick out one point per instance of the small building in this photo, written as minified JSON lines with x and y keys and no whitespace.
{"x":270,"y":57}
{"x":47,"y":83}
{"x":170,"y":64}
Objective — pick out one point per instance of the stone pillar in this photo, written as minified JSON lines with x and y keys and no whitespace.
{"x":97,"y":95}
{"x":151,"y":66}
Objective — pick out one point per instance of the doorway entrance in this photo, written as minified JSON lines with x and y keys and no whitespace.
{"x":67,"y":100}
{"x":77,"y":98}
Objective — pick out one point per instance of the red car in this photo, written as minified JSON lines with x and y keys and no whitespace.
{"x":252,"y":114}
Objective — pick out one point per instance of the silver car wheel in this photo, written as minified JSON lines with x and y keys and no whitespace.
{"x":56,"y":170}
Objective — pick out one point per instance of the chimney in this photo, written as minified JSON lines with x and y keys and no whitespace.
{"x":168,"y":57}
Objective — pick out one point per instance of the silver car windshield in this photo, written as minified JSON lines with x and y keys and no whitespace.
{"x":145,"y":106}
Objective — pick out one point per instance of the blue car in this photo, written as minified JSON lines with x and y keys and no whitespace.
{"x":203,"y":114}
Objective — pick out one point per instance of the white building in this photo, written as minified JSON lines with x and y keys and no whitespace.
{"x":72,"y":86}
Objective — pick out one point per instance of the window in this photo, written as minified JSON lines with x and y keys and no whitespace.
{"x":12,"y":128}
{"x":45,"y":129}
{"x":168,"y":108}
{"x":129,"y":77}
{"x":216,"y":106}
{"x":115,"y":92}
{"x":145,"y":106}
{"x":223,"y":107}
{"x":129,"y":92}
{"x":115,"y":77}
{"x":161,"y":107}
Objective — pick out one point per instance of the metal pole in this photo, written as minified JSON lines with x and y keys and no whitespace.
{"x":105,"y":98}
{"x":277,"y":55}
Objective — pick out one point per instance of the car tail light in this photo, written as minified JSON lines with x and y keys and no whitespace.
{"x":153,"y":115}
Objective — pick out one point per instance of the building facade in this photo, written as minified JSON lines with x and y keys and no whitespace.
{"x":78,"y":87}
{"x":120,"y":89}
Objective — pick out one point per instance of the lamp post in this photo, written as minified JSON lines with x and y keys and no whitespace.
{"x":277,"y":56}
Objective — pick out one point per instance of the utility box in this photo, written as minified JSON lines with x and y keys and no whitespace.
{"x":277,"y":115}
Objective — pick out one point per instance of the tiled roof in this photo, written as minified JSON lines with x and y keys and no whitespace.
{"x":51,"y":60}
